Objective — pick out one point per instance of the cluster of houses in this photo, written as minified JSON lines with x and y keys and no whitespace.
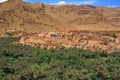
{"x":95,"y":41}
{"x":6,"y":32}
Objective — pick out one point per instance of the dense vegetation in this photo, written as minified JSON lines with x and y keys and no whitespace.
{"x":30,"y":63}
{"x":111,"y":35}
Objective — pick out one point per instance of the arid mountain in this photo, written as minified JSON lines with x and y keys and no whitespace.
{"x":41,"y":17}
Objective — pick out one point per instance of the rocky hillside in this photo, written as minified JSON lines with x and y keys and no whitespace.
{"x":41,"y":17}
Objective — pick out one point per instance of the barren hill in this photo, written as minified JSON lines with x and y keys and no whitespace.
{"x":41,"y":17}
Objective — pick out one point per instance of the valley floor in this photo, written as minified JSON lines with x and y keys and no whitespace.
{"x":32,"y":63}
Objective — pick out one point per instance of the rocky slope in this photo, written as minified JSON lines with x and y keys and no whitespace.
{"x":41,"y":17}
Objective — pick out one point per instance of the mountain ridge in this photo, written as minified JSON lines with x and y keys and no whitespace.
{"x":43,"y":17}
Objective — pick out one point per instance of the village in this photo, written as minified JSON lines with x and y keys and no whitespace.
{"x":88,"y":40}
{"x":95,"y":41}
